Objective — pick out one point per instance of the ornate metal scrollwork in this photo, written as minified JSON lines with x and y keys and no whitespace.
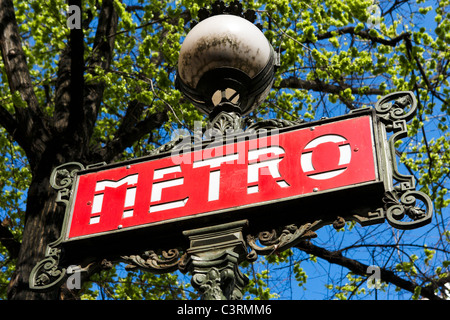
{"x":399,"y":205}
{"x":274,"y":241}
{"x":47,"y":273}
{"x":270,"y":124}
{"x":216,"y":276}
{"x":394,"y":110}
{"x":62,"y":179}
{"x":150,"y":261}
{"x":393,"y":107}
{"x":225,"y":123}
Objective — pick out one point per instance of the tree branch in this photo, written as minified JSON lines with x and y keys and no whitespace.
{"x":14,"y":58}
{"x":359,"y":268}
{"x":62,"y":92}
{"x":70,"y":83}
{"x":7,"y":239}
{"x":363,"y":34}
{"x":130,"y":131}
{"x":102,"y":55}
{"x":30,"y":124}
{"x":296,"y":83}
{"x":69,"y":88}
{"x":8,"y":122}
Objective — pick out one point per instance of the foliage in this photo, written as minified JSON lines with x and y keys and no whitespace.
{"x":333,"y":61}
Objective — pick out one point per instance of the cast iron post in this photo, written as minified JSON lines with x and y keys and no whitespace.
{"x":213,"y":260}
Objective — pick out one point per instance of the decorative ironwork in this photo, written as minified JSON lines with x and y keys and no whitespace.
{"x":216,"y":276}
{"x":370,"y":218}
{"x":225,"y":123}
{"x":274,"y":241}
{"x":339,"y":223}
{"x":150,"y":261}
{"x":47,"y":273}
{"x":394,"y":107}
{"x":215,"y":252}
{"x":394,"y":110}
{"x":272,"y":124}
{"x":62,"y":179}
{"x":213,"y":260}
{"x":399,"y":205}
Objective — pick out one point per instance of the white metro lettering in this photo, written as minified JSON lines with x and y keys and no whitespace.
{"x":130,"y":196}
{"x":259,"y":159}
{"x":214,"y":175}
{"x":157,"y":188}
{"x":333,"y":155}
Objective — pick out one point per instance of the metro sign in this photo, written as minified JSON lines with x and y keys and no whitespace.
{"x":202,"y":206}
{"x":227,"y":181}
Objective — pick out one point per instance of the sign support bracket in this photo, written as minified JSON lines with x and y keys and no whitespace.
{"x":213,"y":259}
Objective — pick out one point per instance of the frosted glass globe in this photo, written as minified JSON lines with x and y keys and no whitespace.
{"x":223,"y":41}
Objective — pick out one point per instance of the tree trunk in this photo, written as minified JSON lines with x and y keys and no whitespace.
{"x":42,"y":226}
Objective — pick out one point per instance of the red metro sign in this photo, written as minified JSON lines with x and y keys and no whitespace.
{"x":202,"y":206}
{"x":221,"y":180}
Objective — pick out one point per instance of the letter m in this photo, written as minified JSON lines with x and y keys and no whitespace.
{"x":130,"y":196}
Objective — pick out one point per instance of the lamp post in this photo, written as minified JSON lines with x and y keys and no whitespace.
{"x":226,"y":69}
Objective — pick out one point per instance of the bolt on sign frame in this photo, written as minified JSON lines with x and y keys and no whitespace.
{"x":205,"y":200}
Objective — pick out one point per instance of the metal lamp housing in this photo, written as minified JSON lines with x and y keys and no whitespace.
{"x":226,"y":62}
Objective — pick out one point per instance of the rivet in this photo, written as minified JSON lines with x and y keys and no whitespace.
{"x":89,"y":203}
{"x":316,"y":189}
{"x":128,"y":166}
{"x":312,"y":128}
{"x":356,"y":149}
{"x":119,"y":226}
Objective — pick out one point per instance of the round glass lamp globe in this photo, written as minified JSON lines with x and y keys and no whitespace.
{"x":223,"y":41}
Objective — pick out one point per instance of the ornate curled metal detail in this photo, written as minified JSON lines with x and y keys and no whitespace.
{"x":273,"y":242}
{"x":62,"y":179}
{"x":272,"y":124}
{"x":150,"y":261}
{"x":216,"y":276}
{"x":208,"y":284}
{"x":394,"y":110}
{"x":47,"y":273}
{"x":225,"y":123}
{"x":393,"y":107}
{"x":398,"y":207}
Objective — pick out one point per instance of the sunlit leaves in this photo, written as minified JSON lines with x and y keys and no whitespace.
{"x":327,"y":42}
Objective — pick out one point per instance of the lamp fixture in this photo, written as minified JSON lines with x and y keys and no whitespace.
{"x":226,"y":63}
